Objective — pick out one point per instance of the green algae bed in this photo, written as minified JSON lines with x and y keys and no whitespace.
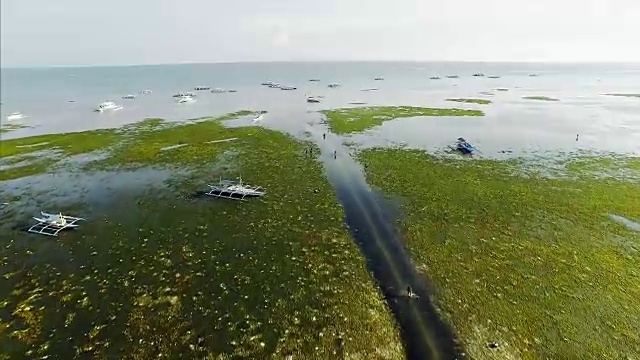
{"x":541,"y":98}
{"x":472,"y":101}
{"x":350,"y":120}
{"x":161,"y":274}
{"x":530,"y":262}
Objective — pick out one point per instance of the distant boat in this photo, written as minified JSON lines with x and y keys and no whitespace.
{"x":313,"y":99}
{"x":186,"y":100}
{"x":274,"y":86}
{"x":268,"y":83}
{"x":494,"y":77}
{"x":334,"y":85}
{"x":379,"y":79}
{"x":288,"y":88}
{"x":314,"y":80}
{"x":533,"y":75}
{"x":146,"y":92}
{"x":15,"y":116}
{"x":478,"y":74}
{"x":435,"y":78}
{"x":129,"y":97}
{"x":183,"y":94}
{"x":232,"y":91}
{"x":108,"y":106}
{"x":370,"y":89}
{"x":218,"y":90}
{"x":201,"y":88}
{"x":452,"y":76}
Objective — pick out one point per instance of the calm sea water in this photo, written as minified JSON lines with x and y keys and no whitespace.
{"x":604,"y":123}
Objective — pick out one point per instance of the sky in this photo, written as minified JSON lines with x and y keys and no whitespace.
{"x":121,"y":32}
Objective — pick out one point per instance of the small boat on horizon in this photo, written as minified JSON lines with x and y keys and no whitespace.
{"x":268,"y":83}
{"x":218,"y":90}
{"x":380,"y":78}
{"x":129,"y":97}
{"x":493,"y":77}
{"x":108,"y":106}
{"x":435,"y":78}
{"x":183,"y":94}
{"x":314,"y":80}
{"x":334,"y":85}
{"x":452,"y":76}
{"x":146,"y":92}
{"x":288,"y":88}
{"x":15,"y":116}
{"x":201,"y":88}
{"x":478,"y":74}
{"x":313,"y":99}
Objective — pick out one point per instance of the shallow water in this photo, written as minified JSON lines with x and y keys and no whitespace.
{"x":370,"y":219}
{"x":511,"y":122}
{"x":50,"y":192}
{"x":632,"y":225}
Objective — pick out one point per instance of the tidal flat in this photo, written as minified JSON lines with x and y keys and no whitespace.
{"x":533,"y":264}
{"x":351,"y":120}
{"x":162,"y":271}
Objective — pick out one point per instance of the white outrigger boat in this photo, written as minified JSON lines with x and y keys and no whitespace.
{"x":184,"y":93}
{"x":108,"y":105}
{"x":234,"y":190}
{"x":219,"y":90}
{"x":186,"y":99}
{"x":52,"y":224}
{"x":129,"y":97}
{"x":15,"y":116}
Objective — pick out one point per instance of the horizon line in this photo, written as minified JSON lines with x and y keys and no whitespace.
{"x":208,"y":62}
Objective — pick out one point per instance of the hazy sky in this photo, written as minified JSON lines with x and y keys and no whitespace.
{"x":92,"y":32}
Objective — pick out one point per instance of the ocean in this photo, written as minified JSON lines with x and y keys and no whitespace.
{"x":63,"y":99}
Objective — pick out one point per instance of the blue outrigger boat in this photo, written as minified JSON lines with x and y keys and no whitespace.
{"x":463,"y":146}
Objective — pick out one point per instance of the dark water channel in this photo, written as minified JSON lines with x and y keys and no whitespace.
{"x":424,"y":334}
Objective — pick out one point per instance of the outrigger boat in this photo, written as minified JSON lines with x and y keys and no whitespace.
{"x":462,"y":146}
{"x":52,"y":224}
{"x":235,"y":190}
{"x":184,"y":93}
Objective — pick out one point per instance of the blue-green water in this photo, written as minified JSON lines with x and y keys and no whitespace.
{"x":604,"y":123}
